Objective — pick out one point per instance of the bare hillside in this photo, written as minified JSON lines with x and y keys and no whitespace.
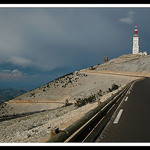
{"x":49,"y":99}
{"x":125,"y":63}
{"x":79,"y":84}
{"x":70,"y":87}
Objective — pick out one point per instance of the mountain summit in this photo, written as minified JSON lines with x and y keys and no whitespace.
{"x":127,"y":63}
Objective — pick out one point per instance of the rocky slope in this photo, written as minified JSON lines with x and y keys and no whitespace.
{"x":126,"y":63}
{"x":54,"y":94}
{"x":37,"y":127}
{"x":49,"y":99}
{"x":79,"y":84}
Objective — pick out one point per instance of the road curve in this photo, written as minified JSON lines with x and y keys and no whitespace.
{"x":131,"y":121}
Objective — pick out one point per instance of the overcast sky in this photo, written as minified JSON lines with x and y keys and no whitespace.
{"x":38,"y":45}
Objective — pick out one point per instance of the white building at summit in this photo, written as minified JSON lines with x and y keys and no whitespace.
{"x":136,"y":49}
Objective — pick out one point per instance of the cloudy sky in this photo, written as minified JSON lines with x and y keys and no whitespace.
{"x":38,"y":45}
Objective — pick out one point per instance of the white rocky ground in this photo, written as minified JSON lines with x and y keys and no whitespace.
{"x":54,"y":94}
{"x":126,"y":63}
{"x":52,"y":97}
{"x":36,"y":127}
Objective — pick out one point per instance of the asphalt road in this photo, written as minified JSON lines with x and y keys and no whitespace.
{"x":131,"y":121}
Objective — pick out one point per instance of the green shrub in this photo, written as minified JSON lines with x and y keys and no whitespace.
{"x":113,"y":87}
{"x":80,"y":102}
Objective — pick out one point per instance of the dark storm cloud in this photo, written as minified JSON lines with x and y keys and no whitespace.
{"x":53,"y":37}
{"x":38,"y":40}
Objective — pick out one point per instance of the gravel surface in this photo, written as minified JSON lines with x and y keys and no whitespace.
{"x":37,"y":127}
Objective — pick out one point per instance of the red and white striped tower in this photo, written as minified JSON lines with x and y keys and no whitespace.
{"x":135,"y":31}
{"x":135,"y":49}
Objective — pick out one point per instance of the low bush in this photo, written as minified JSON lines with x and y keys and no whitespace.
{"x":113,"y":87}
{"x":80,"y":102}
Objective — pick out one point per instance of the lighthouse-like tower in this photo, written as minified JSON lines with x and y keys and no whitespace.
{"x":135,"y":49}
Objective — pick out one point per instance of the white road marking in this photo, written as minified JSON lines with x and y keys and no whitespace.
{"x":118,"y":116}
{"x":126,"y":99}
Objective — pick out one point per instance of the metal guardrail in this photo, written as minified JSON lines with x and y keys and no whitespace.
{"x":66,"y":133}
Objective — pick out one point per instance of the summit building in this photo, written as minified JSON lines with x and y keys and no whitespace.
{"x":136,"y":48}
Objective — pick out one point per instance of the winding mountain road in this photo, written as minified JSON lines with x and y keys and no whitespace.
{"x":131,"y":121}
